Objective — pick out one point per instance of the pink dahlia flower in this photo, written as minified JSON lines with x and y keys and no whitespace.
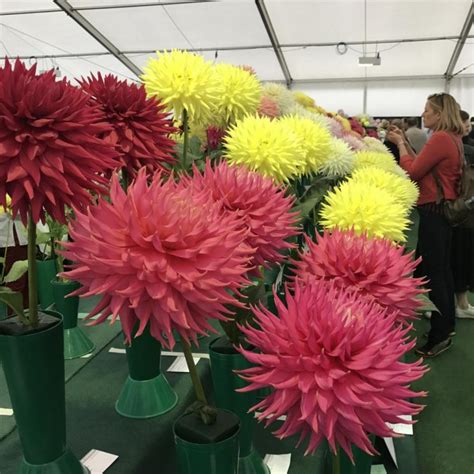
{"x":161,"y":255}
{"x":336,"y":127}
{"x":140,"y":126}
{"x":257,"y":202}
{"x":248,"y":68}
{"x":373,"y":268}
{"x":356,"y":126}
{"x":355,"y":143}
{"x":333,"y":362}
{"x":50,"y":153}
{"x":268,"y":107}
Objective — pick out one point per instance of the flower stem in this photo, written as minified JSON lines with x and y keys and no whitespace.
{"x":5,"y":254}
{"x":185,"y":139}
{"x":198,"y":388}
{"x":336,"y":462}
{"x":32,"y":273}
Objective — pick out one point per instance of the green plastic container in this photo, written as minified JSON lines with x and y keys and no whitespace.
{"x":225,"y":383}
{"x":212,"y":458}
{"x":46,"y":272}
{"x":146,"y":392}
{"x":76,"y":343}
{"x":34,"y":369}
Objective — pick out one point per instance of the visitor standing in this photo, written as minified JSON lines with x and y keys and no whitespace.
{"x":441,"y":156}
{"x":415,"y":135}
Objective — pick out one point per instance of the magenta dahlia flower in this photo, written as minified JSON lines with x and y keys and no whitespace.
{"x":140,"y":126}
{"x":160,"y":254}
{"x":257,"y":202}
{"x":214,"y":137}
{"x":374,"y":268}
{"x":51,"y":155}
{"x":333,"y":362}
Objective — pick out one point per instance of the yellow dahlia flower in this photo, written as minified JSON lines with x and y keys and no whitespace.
{"x":340,"y":160}
{"x":7,"y":208}
{"x":403,"y":190}
{"x":367,"y":209}
{"x":316,"y":141}
{"x":303,"y":99}
{"x":281,"y":95}
{"x":182,"y":81}
{"x":239,"y":93}
{"x":386,"y":161}
{"x":265,"y":146}
{"x":345,"y":123}
{"x":372,"y":144}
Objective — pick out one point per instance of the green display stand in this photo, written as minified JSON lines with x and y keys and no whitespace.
{"x":146,"y":392}
{"x":76,"y":343}
{"x":33,"y":364}
{"x":220,"y":457}
{"x":46,"y":272}
{"x":224,"y":361}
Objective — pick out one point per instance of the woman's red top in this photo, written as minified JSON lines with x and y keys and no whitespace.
{"x":441,"y":153}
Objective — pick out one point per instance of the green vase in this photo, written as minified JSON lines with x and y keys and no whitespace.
{"x":217,"y":457}
{"x":146,"y":392}
{"x":46,"y":272}
{"x":224,"y":361}
{"x":76,"y":343}
{"x":34,"y":370}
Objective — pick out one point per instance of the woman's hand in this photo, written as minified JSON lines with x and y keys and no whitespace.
{"x":395,"y":137}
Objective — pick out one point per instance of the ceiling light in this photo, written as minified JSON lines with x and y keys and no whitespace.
{"x":368,"y":61}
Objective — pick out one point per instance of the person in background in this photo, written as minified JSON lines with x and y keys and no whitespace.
{"x":440,"y":156}
{"x":463,"y":245}
{"x":416,"y":136}
{"x":398,"y":123}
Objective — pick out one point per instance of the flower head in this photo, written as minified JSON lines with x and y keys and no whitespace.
{"x":257,"y":202}
{"x":140,"y":128}
{"x":268,"y":107}
{"x":265,"y":146}
{"x":304,"y":100}
{"x":373,"y":268}
{"x":315,"y":141}
{"x":334,"y":364}
{"x":182,"y":81}
{"x":239,"y":93}
{"x":365,"y":208}
{"x":339,"y":162}
{"x":214,"y":137}
{"x":374,"y":144}
{"x":385,"y":161}
{"x":162,"y":255}
{"x":354,"y":142}
{"x":336,"y":127}
{"x":402,"y":189}
{"x":50,"y":153}
{"x":281,"y":95}
{"x":249,"y":69}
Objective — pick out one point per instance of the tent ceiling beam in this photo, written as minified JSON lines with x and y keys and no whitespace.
{"x":267,"y":23}
{"x":371,"y":79}
{"x":460,"y":44}
{"x":98,"y":36}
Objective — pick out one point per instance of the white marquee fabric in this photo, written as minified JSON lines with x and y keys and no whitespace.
{"x":415,"y":39}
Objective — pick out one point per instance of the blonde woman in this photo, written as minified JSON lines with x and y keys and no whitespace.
{"x":439,"y":160}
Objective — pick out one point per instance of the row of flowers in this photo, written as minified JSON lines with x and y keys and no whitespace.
{"x":171,"y":242}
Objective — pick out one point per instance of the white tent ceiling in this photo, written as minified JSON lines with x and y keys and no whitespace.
{"x":416,"y":39}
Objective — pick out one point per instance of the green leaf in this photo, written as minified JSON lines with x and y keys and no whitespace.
{"x":43,"y":238}
{"x":12,"y":299}
{"x":18,"y":269}
{"x":2,"y":259}
{"x":194,"y":145}
{"x":428,"y":305}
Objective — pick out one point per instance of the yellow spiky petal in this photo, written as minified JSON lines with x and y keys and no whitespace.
{"x":182,"y":81}
{"x":315,"y":139}
{"x":385,"y":161}
{"x":303,"y":99}
{"x":373,"y":144}
{"x":367,"y":209}
{"x":239,"y":94}
{"x":265,"y":146}
{"x":402,"y":189}
{"x":340,"y":160}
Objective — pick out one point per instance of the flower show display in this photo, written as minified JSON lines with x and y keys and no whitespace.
{"x":204,"y":197}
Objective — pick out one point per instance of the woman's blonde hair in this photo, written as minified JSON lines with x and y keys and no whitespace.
{"x":450,"y":113}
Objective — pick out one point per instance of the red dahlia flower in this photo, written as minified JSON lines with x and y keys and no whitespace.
{"x":50,"y":153}
{"x":257,"y":202}
{"x":333,"y":362}
{"x":140,"y":125}
{"x":373,"y":268}
{"x":214,"y":137}
{"x":159,"y":254}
